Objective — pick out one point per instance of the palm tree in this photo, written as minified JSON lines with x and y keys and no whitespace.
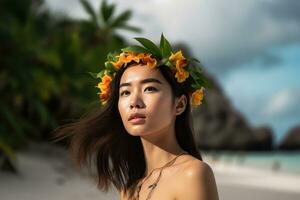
{"x":103,"y":23}
{"x":43,"y":63}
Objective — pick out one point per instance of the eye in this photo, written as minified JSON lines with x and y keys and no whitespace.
{"x":123,"y":92}
{"x":151,"y":88}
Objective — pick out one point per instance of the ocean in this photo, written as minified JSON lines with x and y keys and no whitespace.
{"x":284,"y":161}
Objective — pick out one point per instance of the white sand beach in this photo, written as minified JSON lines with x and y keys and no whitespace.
{"x":46,"y":173}
{"x":242,"y":182}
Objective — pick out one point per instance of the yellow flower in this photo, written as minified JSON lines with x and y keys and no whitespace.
{"x":151,"y":62}
{"x":104,"y":87}
{"x":127,"y":57}
{"x":177,"y":56}
{"x":104,"y":97}
{"x":118,"y":64}
{"x":105,"y":81}
{"x":197,"y":97}
{"x":132,"y":56}
{"x":181,"y":63}
{"x":181,"y":74}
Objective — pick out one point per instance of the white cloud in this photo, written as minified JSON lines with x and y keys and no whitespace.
{"x":235,"y":41}
{"x":285,"y":103}
{"x":223,"y":34}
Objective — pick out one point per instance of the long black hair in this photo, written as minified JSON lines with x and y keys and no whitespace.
{"x":99,"y":140}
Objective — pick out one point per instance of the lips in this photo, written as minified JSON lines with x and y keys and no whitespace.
{"x":136,"y":115}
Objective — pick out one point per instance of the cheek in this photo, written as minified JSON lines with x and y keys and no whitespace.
{"x":160,"y":109}
{"x":122,"y":110}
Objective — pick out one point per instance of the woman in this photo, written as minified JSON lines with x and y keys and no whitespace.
{"x":141,"y":140}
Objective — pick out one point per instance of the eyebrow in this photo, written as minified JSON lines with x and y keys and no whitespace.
{"x":148,"y":80}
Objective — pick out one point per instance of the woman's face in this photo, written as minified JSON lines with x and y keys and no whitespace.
{"x":145,"y":91}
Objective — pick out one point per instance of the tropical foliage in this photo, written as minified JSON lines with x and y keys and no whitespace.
{"x":185,"y":69}
{"x":44,"y":61}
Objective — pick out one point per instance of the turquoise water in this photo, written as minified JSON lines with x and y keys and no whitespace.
{"x":278,"y":160}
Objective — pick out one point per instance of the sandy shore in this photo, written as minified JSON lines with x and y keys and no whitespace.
{"x":242,"y":182}
{"x":46,"y":173}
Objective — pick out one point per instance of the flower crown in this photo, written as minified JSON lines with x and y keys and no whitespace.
{"x":153,"y":56}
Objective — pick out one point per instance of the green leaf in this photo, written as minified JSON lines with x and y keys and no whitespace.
{"x":100,"y":74}
{"x":194,"y":69}
{"x":131,"y":28}
{"x":111,"y":56}
{"x":208,"y":83}
{"x":148,"y":44}
{"x":89,"y":9}
{"x":195,"y":86}
{"x":106,"y":10}
{"x":169,"y":64}
{"x":204,"y":102}
{"x":164,"y":61}
{"x":109,"y":66}
{"x":121,"y":19}
{"x":202,"y":80}
{"x":93,"y":74}
{"x":135,"y":48}
{"x":194,"y":59}
{"x":165,"y":46}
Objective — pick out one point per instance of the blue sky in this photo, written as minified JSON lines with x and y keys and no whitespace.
{"x":268,"y":95}
{"x":252,"y":47}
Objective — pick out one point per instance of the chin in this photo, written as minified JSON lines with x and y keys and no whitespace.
{"x":137,"y":132}
{"x":134,"y":134}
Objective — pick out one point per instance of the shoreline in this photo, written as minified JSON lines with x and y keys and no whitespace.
{"x":46,"y":172}
{"x":250,"y":176}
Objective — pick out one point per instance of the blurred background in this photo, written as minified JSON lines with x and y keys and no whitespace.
{"x":249,"y":132}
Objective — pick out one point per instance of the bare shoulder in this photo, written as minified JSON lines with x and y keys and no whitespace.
{"x":197,"y":169}
{"x":199,"y":178}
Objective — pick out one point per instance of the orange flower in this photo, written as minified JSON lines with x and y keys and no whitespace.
{"x":106,"y":79}
{"x":104,"y":87}
{"x":197,"y":97}
{"x":181,"y":74}
{"x":127,"y":57}
{"x":181,"y":63}
{"x":179,"y":59}
{"x":119,"y":62}
{"x":177,"y":56}
{"x":104,"y":97}
{"x":117,"y":65}
{"x":104,"y":84}
{"x":151,"y":62}
{"x":132,"y":56}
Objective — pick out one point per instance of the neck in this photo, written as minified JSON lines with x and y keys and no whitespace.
{"x":160,"y":148}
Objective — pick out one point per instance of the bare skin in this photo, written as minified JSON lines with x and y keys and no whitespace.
{"x":188,"y":175}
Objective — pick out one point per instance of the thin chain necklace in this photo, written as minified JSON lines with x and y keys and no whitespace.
{"x":152,"y":186}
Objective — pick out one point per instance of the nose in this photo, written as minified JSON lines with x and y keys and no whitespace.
{"x":136,"y":101}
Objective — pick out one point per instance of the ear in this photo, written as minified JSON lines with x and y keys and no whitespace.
{"x":180,"y":104}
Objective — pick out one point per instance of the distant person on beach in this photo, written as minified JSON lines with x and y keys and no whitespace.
{"x":141,"y":139}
